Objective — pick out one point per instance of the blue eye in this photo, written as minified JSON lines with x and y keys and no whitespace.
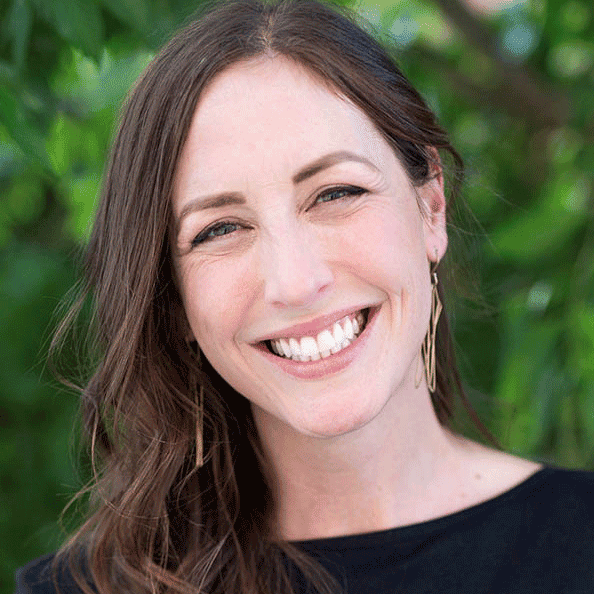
{"x":223,"y":228}
{"x":340,"y":193}
{"x":217,"y":230}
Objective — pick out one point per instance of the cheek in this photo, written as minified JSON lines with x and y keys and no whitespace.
{"x":214,"y":300}
{"x":386,"y":249}
{"x":384,"y":243}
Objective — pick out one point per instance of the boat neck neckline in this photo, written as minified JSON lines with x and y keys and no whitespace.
{"x":363,"y":539}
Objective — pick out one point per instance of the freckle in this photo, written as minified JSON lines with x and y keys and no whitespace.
{"x":477,"y":476}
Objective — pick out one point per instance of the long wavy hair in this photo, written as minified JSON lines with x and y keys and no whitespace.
{"x":157,"y":522}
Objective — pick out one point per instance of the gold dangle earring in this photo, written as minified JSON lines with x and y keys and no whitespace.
{"x":200,"y":427}
{"x":198,"y":393}
{"x":428,"y":346}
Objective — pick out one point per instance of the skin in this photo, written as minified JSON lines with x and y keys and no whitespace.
{"x":361,"y":449}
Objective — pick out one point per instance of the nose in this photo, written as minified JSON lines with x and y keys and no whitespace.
{"x":294,"y":269}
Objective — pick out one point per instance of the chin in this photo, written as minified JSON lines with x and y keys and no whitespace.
{"x":339,"y":421}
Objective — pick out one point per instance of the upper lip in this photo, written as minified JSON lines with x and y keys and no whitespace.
{"x":313,"y":327}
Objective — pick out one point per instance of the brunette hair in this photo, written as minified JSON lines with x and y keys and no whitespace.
{"x":158,"y":523}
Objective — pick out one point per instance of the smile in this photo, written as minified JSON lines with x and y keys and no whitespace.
{"x":328,"y":342}
{"x":329,"y":356}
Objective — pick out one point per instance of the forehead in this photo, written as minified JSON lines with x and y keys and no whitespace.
{"x":272,"y":108}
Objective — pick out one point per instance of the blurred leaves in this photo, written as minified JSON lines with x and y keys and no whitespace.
{"x":514,"y":87}
{"x":17,"y":29}
{"x":552,"y":222}
{"x":79,"y":22}
{"x":36,"y":473}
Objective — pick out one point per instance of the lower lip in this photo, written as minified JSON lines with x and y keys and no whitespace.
{"x":311,"y":370}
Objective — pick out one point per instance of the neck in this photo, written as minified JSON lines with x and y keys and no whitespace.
{"x":372,"y":478}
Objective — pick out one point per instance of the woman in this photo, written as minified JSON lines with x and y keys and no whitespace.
{"x":272,"y":406}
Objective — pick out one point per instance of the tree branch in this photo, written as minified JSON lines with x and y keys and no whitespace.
{"x":517,"y":87}
{"x":500,"y":96}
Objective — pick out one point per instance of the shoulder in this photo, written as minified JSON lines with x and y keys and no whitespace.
{"x":538,"y":524}
{"x":547,"y":494}
{"x":566,"y":496}
{"x":555,"y":531}
{"x":37,"y":577}
{"x":547,"y":490}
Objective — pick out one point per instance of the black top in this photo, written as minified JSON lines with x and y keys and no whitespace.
{"x":537,"y":538}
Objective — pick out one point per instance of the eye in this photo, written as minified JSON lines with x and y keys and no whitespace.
{"x":339,"y":193}
{"x":217,"y":230}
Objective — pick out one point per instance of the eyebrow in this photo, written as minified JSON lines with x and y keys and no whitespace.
{"x":236,"y":198}
{"x":215,"y":201}
{"x":329,"y":161}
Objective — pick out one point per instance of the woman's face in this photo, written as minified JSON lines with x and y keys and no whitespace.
{"x":294,"y":214}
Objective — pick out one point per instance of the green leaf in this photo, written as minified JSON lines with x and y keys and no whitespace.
{"x":82,"y":199}
{"x":20,"y":128}
{"x":78,"y":21}
{"x":582,"y":341}
{"x":571,"y":59}
{"x":545,"y":228}
{"x":585,"y":407}
{"x":528,"y":378}
{"x":134,"y":13}
{"x":74,"y":145}
{"x":25,"y":198}
{"x":18,"y":28}
{"x":98,"y":86}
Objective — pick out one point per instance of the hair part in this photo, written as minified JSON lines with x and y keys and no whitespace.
{"x":156,"y":522}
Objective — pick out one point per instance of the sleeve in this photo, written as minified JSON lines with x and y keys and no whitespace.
{"x":35,"y":577}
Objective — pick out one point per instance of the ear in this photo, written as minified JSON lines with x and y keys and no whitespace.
{"x":433,"y":206}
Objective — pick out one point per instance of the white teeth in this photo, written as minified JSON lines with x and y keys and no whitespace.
{"x":325,"y":344}
{"x":348,"y":329}
{"x":325,"y":341}
{"x":285,"y":348}
{"x":295,"y":348}
{"x":338,"y":333}
{"x":309,"y":348}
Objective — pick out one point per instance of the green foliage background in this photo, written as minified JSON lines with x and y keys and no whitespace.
{"x":515,"y":89}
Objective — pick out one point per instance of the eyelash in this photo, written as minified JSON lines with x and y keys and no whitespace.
{"x":351,"y":192}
